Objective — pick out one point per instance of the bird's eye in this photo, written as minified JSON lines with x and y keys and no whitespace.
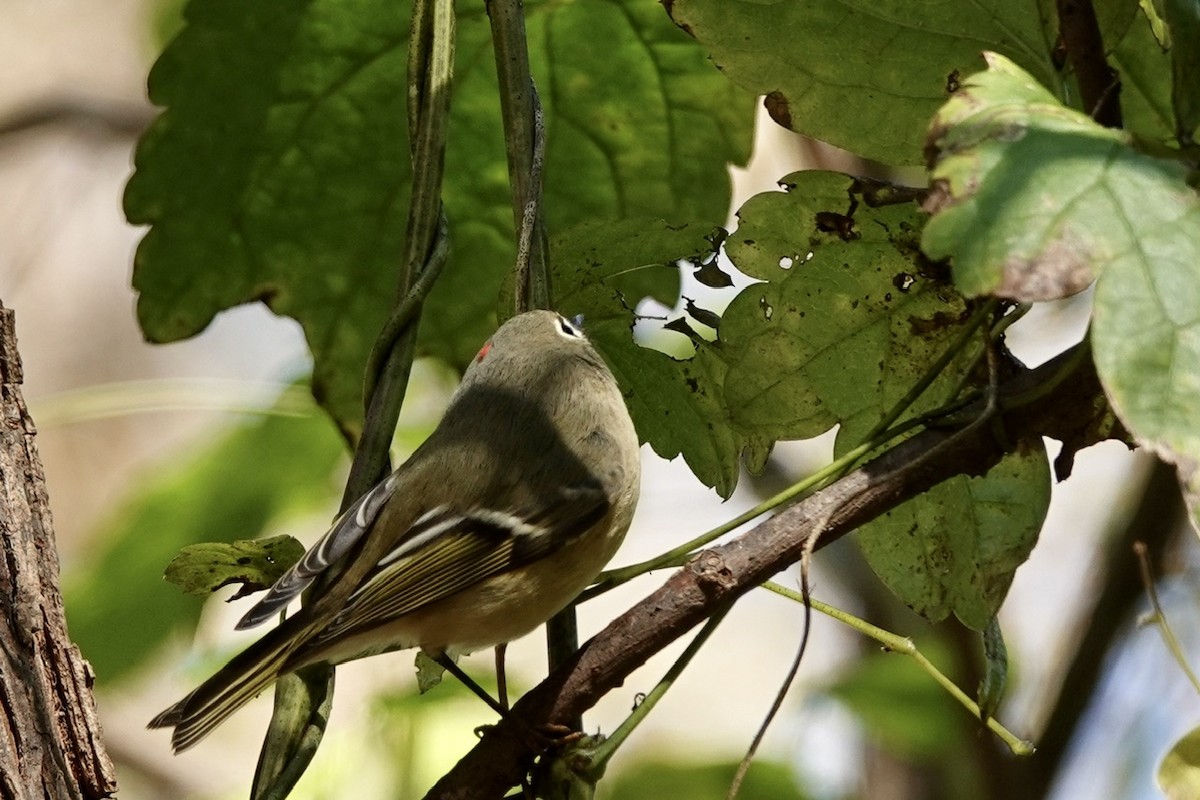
{"x":569,"y":329}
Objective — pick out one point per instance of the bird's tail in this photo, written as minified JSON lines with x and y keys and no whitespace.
{"x":239,"y":681}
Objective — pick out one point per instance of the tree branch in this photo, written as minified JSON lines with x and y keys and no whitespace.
{"x":720,"y":575}
{"x":1099,"y":86}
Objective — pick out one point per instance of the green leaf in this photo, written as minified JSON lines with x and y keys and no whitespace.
{"x":1144,"y":69}
{"x":638,"y":126}
{"x":429,"y":672}
{"x":118,"y":607}
{"x":1006,"y":153}
{"x":1153,"y":9}
{"x":954,"y":549}
{"x":865,"y":76}
{"x":603,"y":269}
{"x":840,"y":334}
{"x":277,"y":173}
{"x":677,"y":407}
{"x":279,"y":170}
{"x":201,"y":569}
{"x":1179,"y":773}
{"x":1040,"y":156}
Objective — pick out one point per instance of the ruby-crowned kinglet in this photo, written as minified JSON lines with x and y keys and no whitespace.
{"x":509,"y":509}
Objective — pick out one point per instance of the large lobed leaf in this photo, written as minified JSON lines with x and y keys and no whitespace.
{"x":279,"y":168}
{"x":864,"y":75}
{"x":1032,"y":200}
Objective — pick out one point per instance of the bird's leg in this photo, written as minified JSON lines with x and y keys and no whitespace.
{"x":448,"y":664}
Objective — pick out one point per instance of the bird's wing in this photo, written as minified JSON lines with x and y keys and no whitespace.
{"x":458,"y":549}
{"x":347,"y":530}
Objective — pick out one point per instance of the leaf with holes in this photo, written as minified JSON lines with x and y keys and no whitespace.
{"x":847,"y":298}
{"x":201,"y":569}
{"x":850,"y":319}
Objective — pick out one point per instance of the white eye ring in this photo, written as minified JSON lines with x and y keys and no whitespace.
{"x":568,"y":329}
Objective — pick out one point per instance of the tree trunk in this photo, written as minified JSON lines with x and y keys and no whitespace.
{"x":50,"y":743}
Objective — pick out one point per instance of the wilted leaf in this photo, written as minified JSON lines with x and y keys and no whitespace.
{"x":1006,"y":154}
{"x":710,"y":274}
{"x":256,"y":564}
{"x":702,"y":315}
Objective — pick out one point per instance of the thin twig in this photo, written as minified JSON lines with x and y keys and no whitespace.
{"x":744,"y":766}
{"x":1160,"y":619}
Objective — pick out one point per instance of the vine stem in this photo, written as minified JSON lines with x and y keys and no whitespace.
{"x":906,"y":646}
{"x":303,"y":700}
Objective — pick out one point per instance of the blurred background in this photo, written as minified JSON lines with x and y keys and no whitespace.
{"x":148,"y":448}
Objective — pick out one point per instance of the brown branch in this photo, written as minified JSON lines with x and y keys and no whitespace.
{"x":50,"y":742}
{"x":1099,"y":86}
{"x":720,"y":575}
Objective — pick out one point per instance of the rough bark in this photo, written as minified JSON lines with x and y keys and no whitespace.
{"x":50,"y":744}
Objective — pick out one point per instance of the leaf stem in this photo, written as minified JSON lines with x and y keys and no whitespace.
{"x":906,"y":646}
{"x":981,"y":315}
{"x":605,"y":751}
{"x":681,"y":554}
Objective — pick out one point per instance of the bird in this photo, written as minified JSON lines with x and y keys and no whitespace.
{"x":505,"y":513}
